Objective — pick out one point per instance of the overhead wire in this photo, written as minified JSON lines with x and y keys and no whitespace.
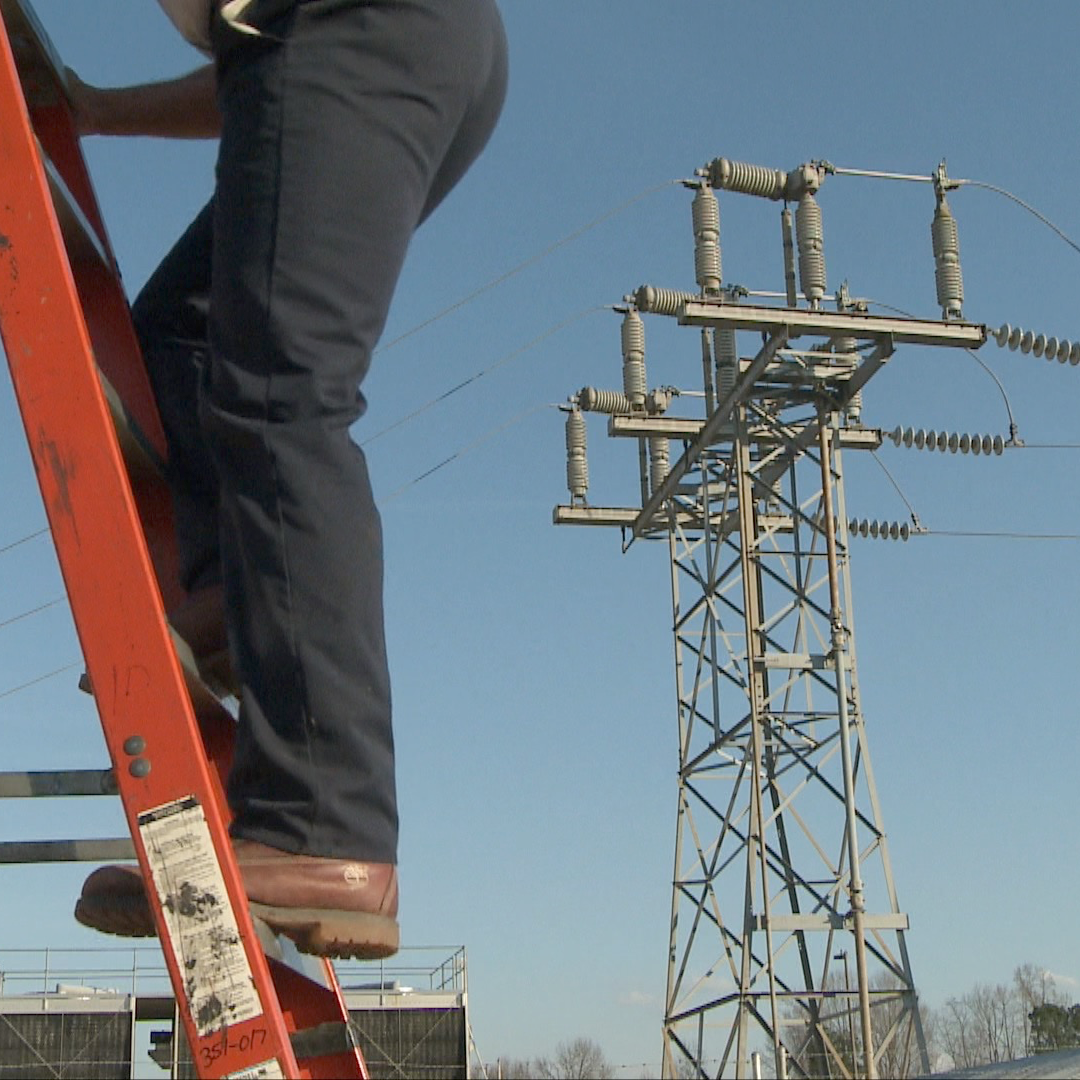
{"x":531,"y":261}
{"x":1048,"y":446}
{"x":23,"y":540}
{"x":892,"y":480}
{"x":40,"y":679}
{"x":475,"y":294}
{"x":32,"y":611}
{"x":953,"y":183}
{"x":1014,"y":438}
{"x":486,"y":437}
{"x":501,"y":362}
{"x":1020,"y":202}
{"x":993,"y":534}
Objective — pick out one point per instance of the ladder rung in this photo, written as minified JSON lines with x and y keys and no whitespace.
{"x":48,"y":785}
{"x":43,"y":851}
{"x":139,"y":455}
{"x":42,"y":74}
{"x":281,"y":950}
{"x":80,"y":237}
{"x":203,"y":680}
{"x":323,"y":1040}
{"x":41,"y":70}
{"x":208,"y":678}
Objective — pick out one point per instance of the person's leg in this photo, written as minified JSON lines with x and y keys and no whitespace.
{"x":341,"y":128}
{"x":170,"y":317}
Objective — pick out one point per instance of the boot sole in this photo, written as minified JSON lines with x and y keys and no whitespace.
{"x":340,"y":935}
{"x":125,"y":919}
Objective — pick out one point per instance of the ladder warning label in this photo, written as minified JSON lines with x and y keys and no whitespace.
{"x":203,"y":933}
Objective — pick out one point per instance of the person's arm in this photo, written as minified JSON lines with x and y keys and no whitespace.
{"x":183,"y":108}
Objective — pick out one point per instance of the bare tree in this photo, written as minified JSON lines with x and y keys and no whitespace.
{"x":990,"y":1024}
{"x":834,"y":1046}
{"x":1036,"y":989}
{"x":579,"y":1059}
{"x":956,"y":1032}
{"x":504,"y":1068}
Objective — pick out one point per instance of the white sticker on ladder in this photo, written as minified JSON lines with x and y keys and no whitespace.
{"x":268,"y":1070}
{"x":203,"y":933}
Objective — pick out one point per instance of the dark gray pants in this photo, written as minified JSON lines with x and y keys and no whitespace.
{"x":344,"y":126}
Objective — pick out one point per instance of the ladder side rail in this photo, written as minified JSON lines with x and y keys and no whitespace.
{"x":117,"y":606}
{"x":105,"y":307}
{"x":313,"y":999}
{"x":44,"y":81}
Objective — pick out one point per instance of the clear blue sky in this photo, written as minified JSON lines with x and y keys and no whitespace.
{"x":534,"y":688}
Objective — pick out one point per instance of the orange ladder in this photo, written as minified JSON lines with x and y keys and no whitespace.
{"x":98,"y":449}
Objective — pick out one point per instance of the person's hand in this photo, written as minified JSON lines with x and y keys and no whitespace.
{"x":83,"y":99}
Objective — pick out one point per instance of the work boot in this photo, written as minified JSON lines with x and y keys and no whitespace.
{"x":330,"y":907}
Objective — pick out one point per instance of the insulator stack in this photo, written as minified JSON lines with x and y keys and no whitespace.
{"x":611,"y":402}
{"x":952,"y":441}
{"x":786,"y":226}
{"x":811,"y":240}
{"x":633,"y":351}
{"x":659,"y":464}
{"x":727,"y":361}
{"x":747,"y":179}
{"x":846,"y":351}
{"x":947,"y":276}
{"x":577,"y":466}
{"x":655,"y":301}
{"x":1027,"y":341}
{"x":880,"y":530}
{"x":706,"y":215}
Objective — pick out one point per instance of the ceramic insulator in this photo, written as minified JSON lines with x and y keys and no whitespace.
{"x":1027,"y":341}
{"x":854,"y":407}
{"x":603,"y":401}
{"x":885,"y":530}
{"x":706,"y":215}
{"x":654,"y":301}
{"x":748,"y":179}
{"x":633,"y":351}
{"x":953,"y":441}
{"x":577,"y":466}
{"x":811,"y":241}
{"x":659,"y":465}
{"x":947,"y":275}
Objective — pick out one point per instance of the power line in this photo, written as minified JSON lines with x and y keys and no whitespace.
{"x":1014,"y":439}
{"x":996,"y":535}
{"x":531,"y":261}
{"x":16,"y":543}
{"x":875,"y":174}
{"x":32,"y":611}
{"x":549,"y":332}
{"x":1020,"y":202}
{"x":39,"y":679}
{"x":892,"y":480}
{"x":469,"y":448}
{"x":1047,"y":446}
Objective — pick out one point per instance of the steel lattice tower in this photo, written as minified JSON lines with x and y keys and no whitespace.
{"x":781,"y":858}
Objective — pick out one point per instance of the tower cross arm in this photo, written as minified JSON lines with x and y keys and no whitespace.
{"x":714,"y":311}
{"x":709,"y":432}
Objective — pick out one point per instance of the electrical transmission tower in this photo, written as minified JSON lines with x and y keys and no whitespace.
{"x":781,"y":859}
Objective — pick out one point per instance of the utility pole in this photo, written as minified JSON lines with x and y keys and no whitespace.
{"x":781,"y":853}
